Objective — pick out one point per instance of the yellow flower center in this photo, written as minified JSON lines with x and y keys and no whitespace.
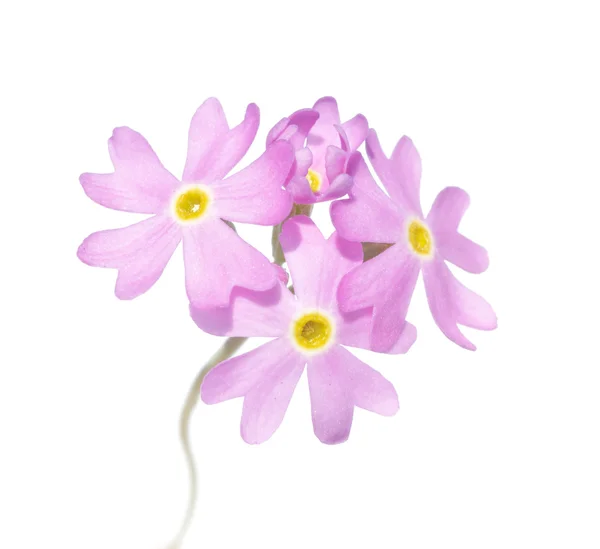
{"x":191,"y":204}
{"x":314,"y":180}
{"x":419,"y":238}
{"x":312,"y":331}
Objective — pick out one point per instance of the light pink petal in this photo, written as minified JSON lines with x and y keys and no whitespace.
{"x":340,"y":186}
{"x":216,"y":260}
{"x":339,"y":258}
{"x":448,"y":209}
{"x":356,"y":130}
{"x":328,"y":113}
{"x":297,"y":184}
{"x":277,"y":130}
{"x":385,"y":283}
{"x":282,"y":274}
{"x":266,"y":403}
{"x":401,"y":174}
{"x":444,"y":218}
{"x":294,"y":129}
{"x":140,"y":252}
{"x":330,"y":398}
{"x":406,"y":340}
{"x":371,"y":391}
{"x":237,"y":376}
{"x":344,"y":142}
{"x":304,"y":248}
{"x":249,"y":314}
{"x":369,"y":215}
{"x":255,"y":194}
{"x":300,"y":189}
{"x":335,"y":162}
{"x":213,"y":149}
{"x":338,"y":381}
{"x":304,"y":161}
{"x":207,"y":129}
{"x":323,"y":133}
{"x":140,"y":183}
{"x":461,"y":251}
{"x":354,"y":330}
{"x":304,"y":120}
{"x":390,"y":313}
{"x":451,"y":303}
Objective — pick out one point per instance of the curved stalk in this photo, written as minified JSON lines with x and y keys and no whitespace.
{"x":227,"y":350}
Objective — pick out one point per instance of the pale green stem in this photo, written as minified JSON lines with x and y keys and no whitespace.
{"x":227,"y":350}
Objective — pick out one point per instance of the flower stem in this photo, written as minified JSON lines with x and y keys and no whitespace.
{"x":227,"y":350}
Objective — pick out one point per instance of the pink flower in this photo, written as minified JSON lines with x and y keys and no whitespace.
{"x":387,"y":281}
{"x":193,"y":209}
{"x":323,"y":145}
{"x":308,"y":328}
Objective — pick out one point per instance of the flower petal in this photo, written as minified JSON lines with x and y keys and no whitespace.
{"x":444,"y":218}
{"x":356,"y":130}
{"x":216,"y":260}
{"x":250,"y":314}
{"x":328,"y":116}
{"x":335,"y":162}
{"x":338,"y":381}
{"x":237,"y":376}
{"x":323,"y":133}
{"x":340,"y":186}
{"x":401,"y":174}
{"x":462,"y":252}
{"x":140,"y":252}
{"x":266,"y":403}
{"x":300,"y":189}
{"x":451,"y":303}
{"x":330,"y":398}
{"x":213,"y":148}
{"x":369,"y":215}
{"x":385,"y":283}
{"x":339,"y":258}
{"x":304,"y":120}
{"x":303,"y":161}
{"x":344,"y":143}
{"x":140,"y":183}
{"x":304,"y":248}
{"x":207,"y":128}
{"x":448,"y":209}
{"x":299,"y":122}
{"x":276,"y":131}
{"x":354,"y":330}
{"x":255,"y":194}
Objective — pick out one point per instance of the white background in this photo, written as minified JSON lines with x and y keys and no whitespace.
{"x":493,"y":449}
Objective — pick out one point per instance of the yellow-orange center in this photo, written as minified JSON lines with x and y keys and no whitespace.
{"x":419,"y":238}
{"x":312,"y":331}
{"x":314,"y":180}
{"x":191,"y":204}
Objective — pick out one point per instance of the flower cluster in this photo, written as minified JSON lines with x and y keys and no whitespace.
{"x":352,"y":289}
